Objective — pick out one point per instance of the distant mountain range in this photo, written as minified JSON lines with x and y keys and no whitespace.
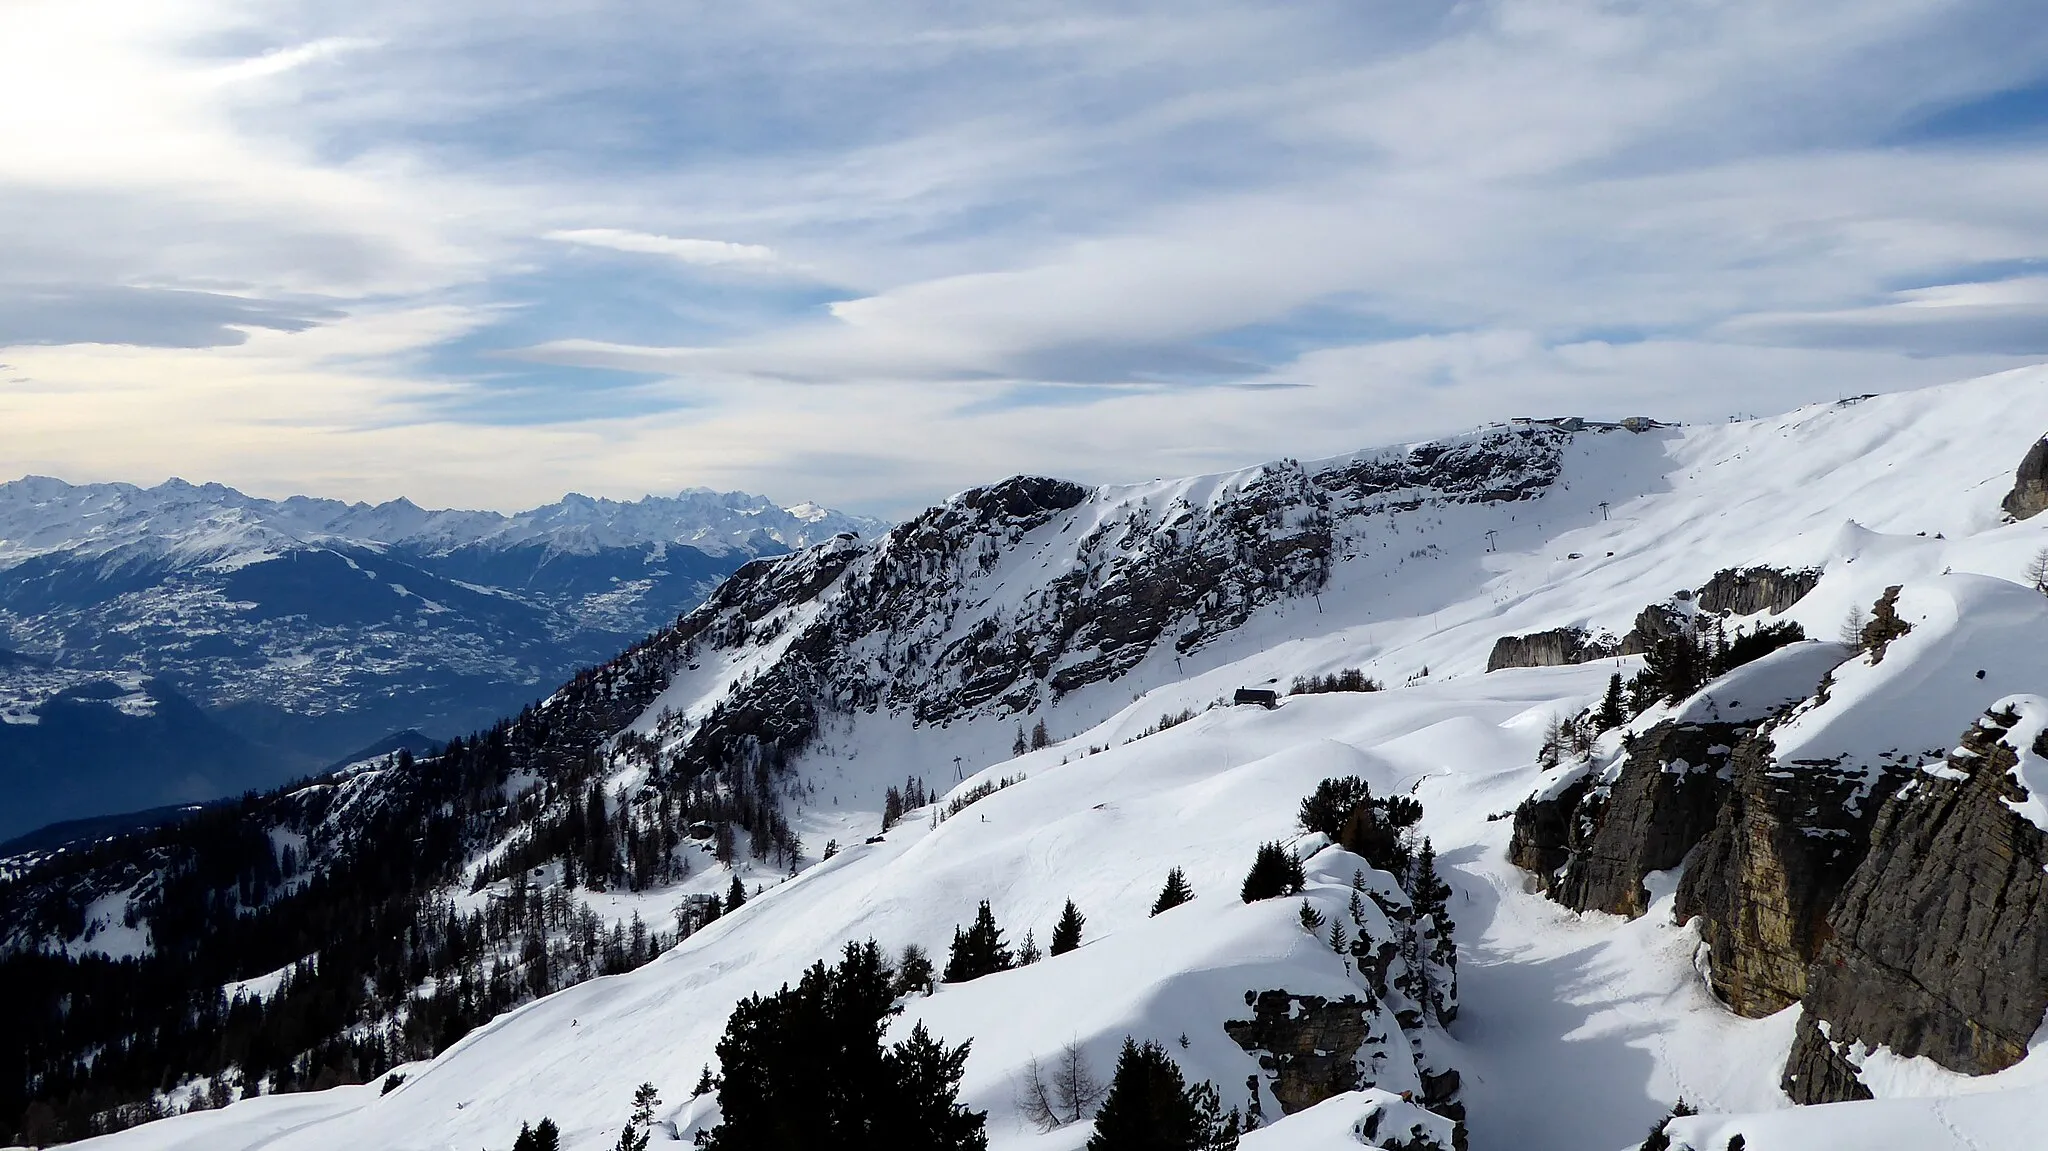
{"x":177,"y":643}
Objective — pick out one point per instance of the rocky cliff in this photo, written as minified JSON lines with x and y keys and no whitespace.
{"x":1785,"y":842}
{"x":1940,"y":938}
{"x":1591,"y":842}
{"x":1749,"y":590}
{"x":2029,"y":495}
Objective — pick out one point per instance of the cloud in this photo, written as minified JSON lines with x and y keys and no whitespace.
{"x":145,"y":317}
{"x":708,"y":253}
{"x":896,"y":248}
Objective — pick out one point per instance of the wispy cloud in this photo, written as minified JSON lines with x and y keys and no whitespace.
{"x":377,"y":249}
{"x":707,"y":253}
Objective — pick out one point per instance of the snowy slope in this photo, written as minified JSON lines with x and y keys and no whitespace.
{"x":1576,"y":1031}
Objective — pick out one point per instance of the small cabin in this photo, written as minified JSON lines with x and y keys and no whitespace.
{"x":1263,"y":696}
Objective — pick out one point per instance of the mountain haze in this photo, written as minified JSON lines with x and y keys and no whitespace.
{"x":285,"y":634}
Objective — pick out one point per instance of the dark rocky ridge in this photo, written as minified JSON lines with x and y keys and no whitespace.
{"x":911,"y":625}
{"x":1591,"y":846}
{"x":1940,"y":938}
{"x":2029,"y":495}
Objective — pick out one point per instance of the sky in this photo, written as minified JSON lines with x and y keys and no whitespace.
{"x":867,"y":254}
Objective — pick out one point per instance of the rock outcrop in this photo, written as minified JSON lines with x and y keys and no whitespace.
{"x":1787,"y":840}
{"x":2029,"y":495}
{"x":1310,"y":1044}
{"x":1747,"y":591}
{"x":1557,"y":647}
{"x":1591,"y":844}
{"x":1940,"y":938}
{"x":1316,"y":1049}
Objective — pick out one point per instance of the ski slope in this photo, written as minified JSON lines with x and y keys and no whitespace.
{"x":1576,"y":1031}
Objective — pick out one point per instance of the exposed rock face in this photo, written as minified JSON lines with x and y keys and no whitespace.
{"x":1652,"y":624}
{"x":2029,"y":495}
{"x":1318,"y":1048}
{"x":1310,"y":1043}
{"x":1940,"y":944}
{"x":1557,"y":647}
{"x":1006,"y":597}
{"x":1591,"y":845}
{"x":1787,"y":840}
{"x":1747,"y":591}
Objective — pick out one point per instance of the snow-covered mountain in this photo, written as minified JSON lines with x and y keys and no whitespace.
{"x":313,"y":627}
{"x":1782,"y":867}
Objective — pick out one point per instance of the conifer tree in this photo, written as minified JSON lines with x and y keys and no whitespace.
{"x":635,"y":1136}
{"x":979,"y":950}
{"x":1311,"y":919}
{"x":805,"y":1069}
{"x":1028,"y":954}
{"x":1610,"y":714}
{"x":1066,"y":934}
{"x":1274,"y":872}
{"x":544,"y":1136}
{"x":1175,"y":893}
{"x":735,"y":896}
{"x":1151,"y":1107}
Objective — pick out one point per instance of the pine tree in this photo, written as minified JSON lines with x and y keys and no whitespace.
{"x":1028,"y":953}
{"x":1432,"y":923}
{"x":805,"y":1069}
{"x":1274,"y":872}
{"x":635,"y":1136}
{"x":1175,"y":893}
{"x":1311,"y":919}
{"x":1151,"y":1107}
{"x":1330,"y":806}
{"x":1610,"y":714}
{"x":1339,"y":941}
{"x":543,"y":1137}
{"x":735,"y":896}
{"x":979,"y":950}
{"x":1066,"y":934}
{"x":1039,"y":738}
{"x":1019,"y":746}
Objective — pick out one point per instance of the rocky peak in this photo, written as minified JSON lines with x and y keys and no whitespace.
{"x":1007,"y":597}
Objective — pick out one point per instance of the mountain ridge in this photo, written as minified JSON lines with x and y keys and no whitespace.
{"x":796,"y":704}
